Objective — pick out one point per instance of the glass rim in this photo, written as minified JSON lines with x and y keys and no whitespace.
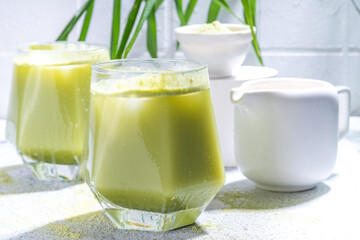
{"x":24,"y":48}
{"x":99,"y":67}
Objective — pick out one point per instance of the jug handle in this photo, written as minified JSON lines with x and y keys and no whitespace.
{"x":344,"y":110}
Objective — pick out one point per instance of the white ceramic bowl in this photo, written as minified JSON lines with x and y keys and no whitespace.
{"x":222,"y":52}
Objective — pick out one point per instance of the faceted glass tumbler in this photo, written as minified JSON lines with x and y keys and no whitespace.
{"x":48,"y":106}
{"x":152,"y":158}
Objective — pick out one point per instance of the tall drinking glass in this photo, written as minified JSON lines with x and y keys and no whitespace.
{"x":48,"y":106}
{"x":152,"y":158}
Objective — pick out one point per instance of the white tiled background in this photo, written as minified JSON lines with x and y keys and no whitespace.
{"x":301,"y":38}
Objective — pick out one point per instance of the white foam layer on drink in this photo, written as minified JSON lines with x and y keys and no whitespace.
{"x":153,"y":84}
{"x":60,"y":54}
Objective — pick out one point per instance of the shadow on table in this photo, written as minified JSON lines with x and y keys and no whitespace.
{"x":244,"y":194}
{"x":96,"y":225}
{"x":19,"y":179}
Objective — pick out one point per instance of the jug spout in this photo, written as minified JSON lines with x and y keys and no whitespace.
{"x":236,"y":94}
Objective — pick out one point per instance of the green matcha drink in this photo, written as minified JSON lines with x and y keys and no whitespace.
{"x":49,"y":104}
{"x":153,"y":145}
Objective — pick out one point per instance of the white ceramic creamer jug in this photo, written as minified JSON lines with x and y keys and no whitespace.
{"x":287,"y":131}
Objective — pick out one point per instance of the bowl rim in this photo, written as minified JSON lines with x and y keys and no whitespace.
{"x":182,"y":30}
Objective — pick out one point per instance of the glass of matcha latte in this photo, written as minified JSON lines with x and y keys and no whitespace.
{"x":152,"y":158}
{"x":48,"y":106}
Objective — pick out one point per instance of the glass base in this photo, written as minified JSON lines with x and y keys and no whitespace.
{"x":125,"y":218}
{"x":51,"y":171}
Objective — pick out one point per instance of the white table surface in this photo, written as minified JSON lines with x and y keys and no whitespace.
{"x":32,"y":209}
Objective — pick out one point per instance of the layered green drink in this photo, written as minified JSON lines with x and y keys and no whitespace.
{"x":48,"y":105}
{"x":153,"y":153}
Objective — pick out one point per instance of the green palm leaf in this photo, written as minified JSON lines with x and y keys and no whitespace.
{"x":144,"y":16}
{"x":128,"y":28}
{"x":189,"y":10}
{"x":151,"y":41}
{"x":179,"y":10}
{"x":213,"y":12}
{"x":86,"y":23}
{"x":250,"y":16}
{"x":151,"y":37}
{"x":71,"y":24}
{"x":115,"y":28}
{"x":226,"y":6}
